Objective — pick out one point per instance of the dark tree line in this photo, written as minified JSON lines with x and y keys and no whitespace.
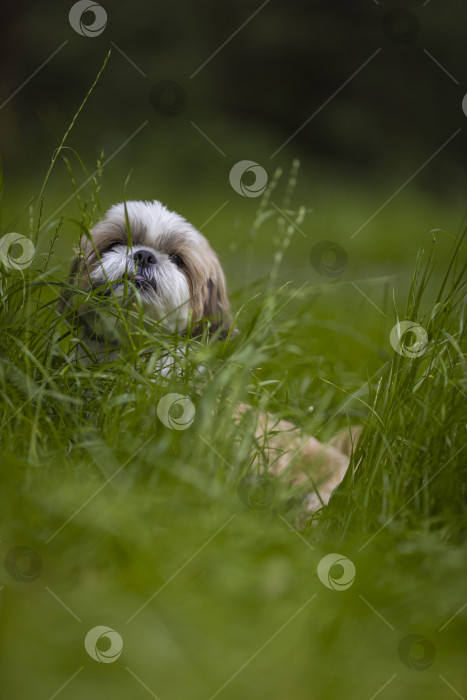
{"x":278,"y":71}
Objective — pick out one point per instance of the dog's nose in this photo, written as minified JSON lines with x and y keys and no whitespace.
{"x":144,"y":258}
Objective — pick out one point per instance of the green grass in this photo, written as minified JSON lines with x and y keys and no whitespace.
{"x":160,"y":533}
{"x":125,"y":512}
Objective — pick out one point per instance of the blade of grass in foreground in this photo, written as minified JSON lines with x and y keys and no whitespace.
{"x":408,"y":470}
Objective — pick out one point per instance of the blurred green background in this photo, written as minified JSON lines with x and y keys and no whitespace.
{"x":367,"y":71}
{"x":383,"y":155}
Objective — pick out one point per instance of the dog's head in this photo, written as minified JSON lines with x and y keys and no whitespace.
{"x":143,"y":252}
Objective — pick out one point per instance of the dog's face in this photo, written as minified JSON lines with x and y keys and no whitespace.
{"x":162,"y":261}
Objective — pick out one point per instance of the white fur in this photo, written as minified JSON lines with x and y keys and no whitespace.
{"x":171,"y":301}
{"x":156,"y":218}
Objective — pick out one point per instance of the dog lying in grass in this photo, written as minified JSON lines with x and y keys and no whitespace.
{"x":143,"y":251}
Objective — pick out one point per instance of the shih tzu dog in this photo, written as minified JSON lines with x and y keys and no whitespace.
{"x":142,"y":251}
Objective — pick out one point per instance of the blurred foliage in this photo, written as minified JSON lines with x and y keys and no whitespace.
{"x":147,"y":530}
{"x":285,"y":64}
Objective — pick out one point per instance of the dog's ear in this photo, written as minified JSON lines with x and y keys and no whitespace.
{"x":109,"y":230}
{"x":216,"y":307}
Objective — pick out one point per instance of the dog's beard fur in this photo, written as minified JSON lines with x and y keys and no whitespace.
{"x":162,"y":288}
{"x":182,"y":284}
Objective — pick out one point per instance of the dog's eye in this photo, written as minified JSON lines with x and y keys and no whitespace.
{"x":176,"y":259}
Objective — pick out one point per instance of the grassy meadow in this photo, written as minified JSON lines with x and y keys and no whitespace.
{"x":206,"y":571}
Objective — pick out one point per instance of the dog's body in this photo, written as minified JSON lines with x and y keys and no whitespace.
{"x":143,"y":251}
